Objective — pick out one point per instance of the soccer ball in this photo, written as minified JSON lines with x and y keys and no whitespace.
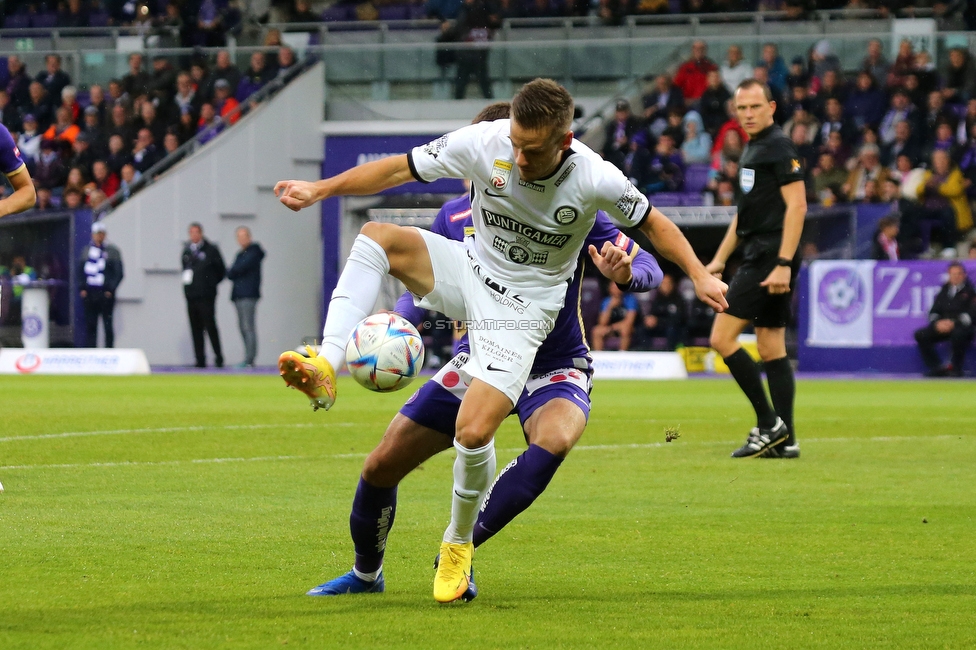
{"x":384,"y":353}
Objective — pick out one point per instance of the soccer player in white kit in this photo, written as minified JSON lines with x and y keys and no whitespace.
{"x":535,"y":194}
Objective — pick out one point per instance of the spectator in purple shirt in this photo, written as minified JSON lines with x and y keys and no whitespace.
{"x":254,"y":78}
{"x":14,"y":168}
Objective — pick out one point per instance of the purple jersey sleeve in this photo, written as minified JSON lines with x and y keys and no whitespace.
{"x":11,"y":161}
{"x":647,"y":272}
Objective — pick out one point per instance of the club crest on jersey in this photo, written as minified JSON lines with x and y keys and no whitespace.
{"x":747,"y":179}
{"x":566,"y":215}
{"x":501,"y":172}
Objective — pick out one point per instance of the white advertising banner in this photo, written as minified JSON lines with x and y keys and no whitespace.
{"x":638,"y":365}
{"x":73,"y":361}
{"x":841,"y":300}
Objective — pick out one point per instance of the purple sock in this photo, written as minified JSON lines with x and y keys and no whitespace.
{"x":370,"y":522}
{"x":516,"y":487}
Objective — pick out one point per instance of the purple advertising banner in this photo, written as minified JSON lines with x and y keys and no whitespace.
{"x":903,"y":295}
{"x":861,"y":315}
{"x":343,"y":152}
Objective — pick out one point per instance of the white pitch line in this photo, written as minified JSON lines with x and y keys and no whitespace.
{"x":116,"y":432}
{"x":650,"y":445}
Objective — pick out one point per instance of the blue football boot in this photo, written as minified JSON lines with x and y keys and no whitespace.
{"x":349,"y":583}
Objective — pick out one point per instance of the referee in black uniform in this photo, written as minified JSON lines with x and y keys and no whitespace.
{"x":767,"y":228}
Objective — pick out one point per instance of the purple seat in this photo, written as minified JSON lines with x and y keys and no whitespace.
{"x":98,"y":20}
{"x":44,"y":21}
{"x":417,"y":12}
{"x":696,"y":177}
{"x":692,"y":199}
{"x":339,"y":13}
{"x":666,"y":199}
{"x":17,"y":21}
{"x":394,"y":12}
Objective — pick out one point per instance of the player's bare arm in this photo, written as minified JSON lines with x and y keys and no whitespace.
{"x":668,"y":240}
{"x":729,"y":243}
{"x":366,"y":179}
{"x":795,"y":197}
{"x":613,"y":262}
{"x":23,"y":198}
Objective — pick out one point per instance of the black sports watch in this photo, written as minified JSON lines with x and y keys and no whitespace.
{"x":782,"y":261}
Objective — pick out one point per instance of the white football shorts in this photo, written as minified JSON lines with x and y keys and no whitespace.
{"x":505,"y":325}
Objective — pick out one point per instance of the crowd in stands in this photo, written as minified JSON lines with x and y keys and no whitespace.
{"x":898,"y":132}
{"x":667,"y":318}
{"x":82,"y":148}
{"x":183,"y":24}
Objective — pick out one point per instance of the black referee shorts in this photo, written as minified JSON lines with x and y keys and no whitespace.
{"x":751,"y":302}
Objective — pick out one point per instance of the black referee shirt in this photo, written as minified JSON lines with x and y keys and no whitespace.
{"x":769,"y":161}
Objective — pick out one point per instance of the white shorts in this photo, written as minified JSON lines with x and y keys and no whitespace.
{"x":505,"y":327}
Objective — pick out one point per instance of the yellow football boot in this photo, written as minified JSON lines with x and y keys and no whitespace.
{"x":312,"y":375}
{"x":453,"y":572}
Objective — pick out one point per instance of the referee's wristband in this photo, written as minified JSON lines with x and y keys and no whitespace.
{"x":783,"y":261}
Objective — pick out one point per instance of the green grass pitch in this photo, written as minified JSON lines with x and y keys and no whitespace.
{"x":203,"y":507}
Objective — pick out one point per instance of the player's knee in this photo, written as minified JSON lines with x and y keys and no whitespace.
{"x":472,"y":434}
{"x":721,"y":344}
{"x":557,"y":441}
{"x":380,"y":470}
{"x":383,"y":234}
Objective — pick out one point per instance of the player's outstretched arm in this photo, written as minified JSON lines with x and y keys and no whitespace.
{"x":668,"y":240}
{"x":362,"y":180}
{"x":23,"y":197}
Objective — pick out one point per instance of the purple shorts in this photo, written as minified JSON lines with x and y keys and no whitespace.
{"x":436,"y":404}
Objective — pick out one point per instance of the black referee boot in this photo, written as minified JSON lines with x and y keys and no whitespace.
{"x":761,"y":441}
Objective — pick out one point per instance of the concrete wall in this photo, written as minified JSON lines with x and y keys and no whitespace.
{"x":226,"y":184}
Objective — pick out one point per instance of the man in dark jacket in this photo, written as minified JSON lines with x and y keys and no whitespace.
{"x":99,"y":274}
{"x":203,"y":269}
{"x":951,"y":317}
{"x":245,"y":273}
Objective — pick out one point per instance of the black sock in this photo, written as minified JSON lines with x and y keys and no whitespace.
{"x":782,"y":388}
{"x":746,"y":374}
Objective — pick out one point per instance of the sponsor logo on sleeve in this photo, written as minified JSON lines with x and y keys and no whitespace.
{"x":628,"y":202}
{"x":621,"y":241}
{"x":794,"y":165}
{"x":458,"y":216}
{"x":433,"y":149}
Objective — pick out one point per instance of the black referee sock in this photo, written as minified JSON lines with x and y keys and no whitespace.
{"x":782,"y":388}
{"x":746,"y":374}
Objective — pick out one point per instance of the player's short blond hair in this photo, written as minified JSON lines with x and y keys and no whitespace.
{"x":543,"y":104}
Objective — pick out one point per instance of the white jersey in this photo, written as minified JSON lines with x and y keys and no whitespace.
{"x":528,"y":233}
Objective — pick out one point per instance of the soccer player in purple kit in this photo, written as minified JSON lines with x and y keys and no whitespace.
{"x":12,"y":164}
{"x":553,"y":410}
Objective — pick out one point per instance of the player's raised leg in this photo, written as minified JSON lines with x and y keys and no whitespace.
{"x":483,"y":409}
{"x":405,"y":445}
{"x":380,"y":249}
